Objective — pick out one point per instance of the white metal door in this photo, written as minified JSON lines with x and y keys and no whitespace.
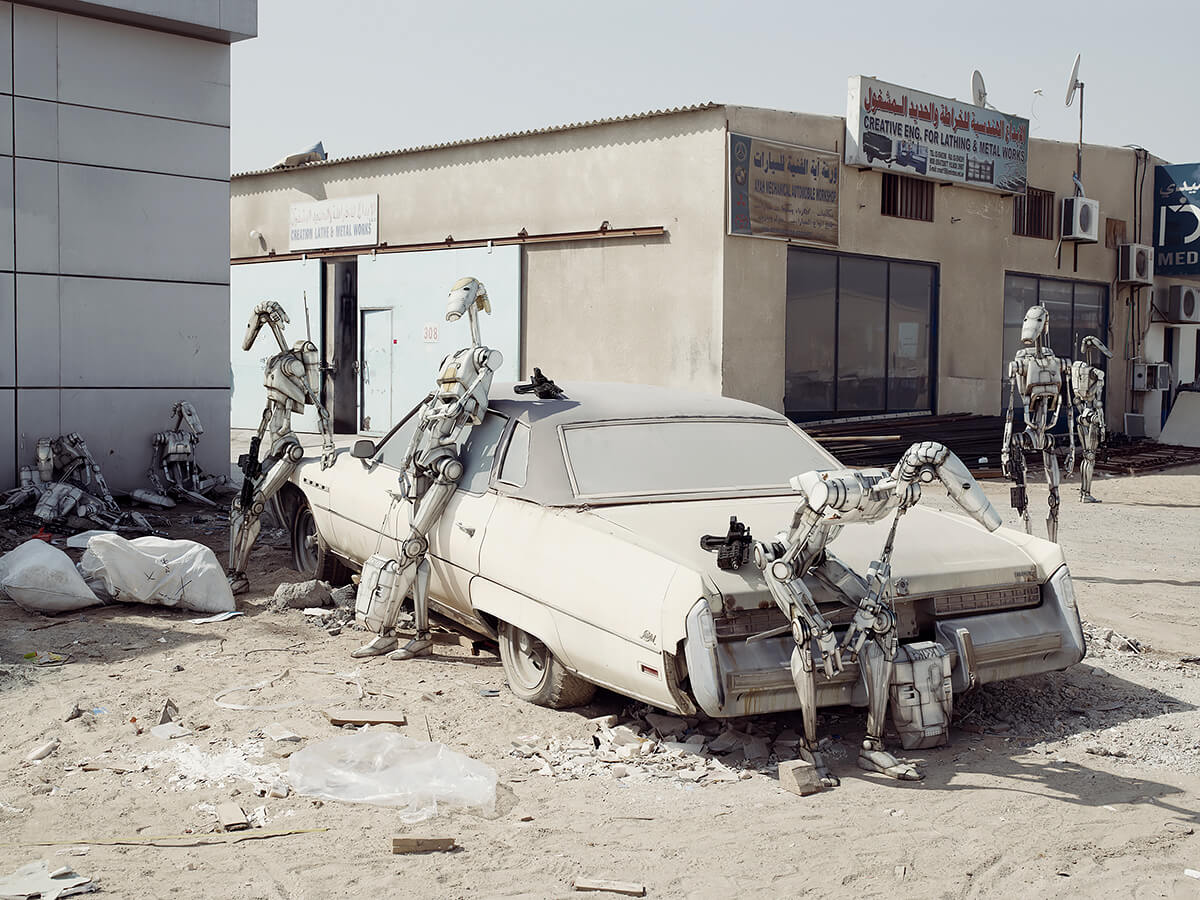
{"x":375,"y":371}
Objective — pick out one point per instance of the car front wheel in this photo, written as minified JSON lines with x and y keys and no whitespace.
{"x":310,"y":555}
{"x":535,"y":675}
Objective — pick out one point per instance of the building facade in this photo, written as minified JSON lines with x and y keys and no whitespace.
{"x":114,"y":277}
{"x":622,"y":266}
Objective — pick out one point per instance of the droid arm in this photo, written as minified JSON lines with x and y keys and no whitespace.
{"x":1006,"y":446}
{"x":1066,"y":385}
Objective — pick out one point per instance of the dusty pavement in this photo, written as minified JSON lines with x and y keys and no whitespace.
{"x":1080,"y":783}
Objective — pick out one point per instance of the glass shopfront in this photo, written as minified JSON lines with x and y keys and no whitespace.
{"x":860,"y":335}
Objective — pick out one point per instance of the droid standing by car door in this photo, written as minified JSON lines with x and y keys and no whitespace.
{"x":430,"y":474}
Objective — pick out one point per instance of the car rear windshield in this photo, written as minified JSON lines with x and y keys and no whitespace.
{"x":687,"y":456}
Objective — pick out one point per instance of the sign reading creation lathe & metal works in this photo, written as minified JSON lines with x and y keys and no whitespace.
{"x":338,"y":222}
{"x":782,"y":191}
{"x":905,"y":131}
{"x":1177,"y":219}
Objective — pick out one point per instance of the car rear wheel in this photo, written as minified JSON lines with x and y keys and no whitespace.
{"x":310,"y":555}
{"x":535,"y":675}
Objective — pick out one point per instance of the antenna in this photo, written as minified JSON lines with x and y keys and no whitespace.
{"x":1073,"y":82}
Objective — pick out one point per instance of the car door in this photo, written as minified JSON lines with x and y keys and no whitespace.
{"x":456,"y":539}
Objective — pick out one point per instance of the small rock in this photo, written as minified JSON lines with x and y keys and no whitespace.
{"x":756,"y":748}
{"x":302,"y":595}
{"x":619,"y":770}
{"x":279,"y":790}
{"x":602,"y":722}
{"x":667,"y":726}
{"x":168,"y":731}
{"x":41,"y":789}
{"x":72,"y":711}
{"x":727,"y":740}
{"x":799,"y":777}
{"x":344,"y":596}
{"x":623,"y":735}
{"x":43,"y":750}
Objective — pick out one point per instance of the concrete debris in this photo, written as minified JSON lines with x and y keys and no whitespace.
{"x":799,"y":777}
{"x":277,"y":732}
{"x":36,"y":879}
{"x":343,"y":597}
{"x":169,"y":731}
{"x":628,"y":888}
{"x":302,"y":595}
{"x":43,"y":750}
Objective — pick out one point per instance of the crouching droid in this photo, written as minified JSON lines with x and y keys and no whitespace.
{"x":1039,"y":377}
{"x":429,"y":475}
{"x":1087,"y":389}
{"x":292,"y":379}
{"x":921,"y":699}
{"x":173,"y":470}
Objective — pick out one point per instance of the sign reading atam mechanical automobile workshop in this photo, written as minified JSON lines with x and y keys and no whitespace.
{"x":1177,"y":219}
{"x":337,"y":222}
{"x":782,"y":191}
{"x":905,"y":131}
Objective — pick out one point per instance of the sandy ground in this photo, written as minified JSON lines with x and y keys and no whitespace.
{"x":1079,"y":783}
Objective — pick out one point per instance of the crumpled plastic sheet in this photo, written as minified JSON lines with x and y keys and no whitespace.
{"x":378,"y":766}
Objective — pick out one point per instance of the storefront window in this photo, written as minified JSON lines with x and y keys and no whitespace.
{"x":859,"y":335}
{"x":1076,"y":310}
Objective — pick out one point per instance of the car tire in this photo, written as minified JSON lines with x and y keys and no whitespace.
{"x":310,"y":554}
{"x":535,"y":675}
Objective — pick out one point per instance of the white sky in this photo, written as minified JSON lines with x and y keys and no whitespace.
{"x":370,"y":75}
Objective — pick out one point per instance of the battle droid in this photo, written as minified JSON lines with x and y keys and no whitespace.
{"x":292,"y":379}
{"x":173,"y":469}
{"x":1039,"y":377}
{"x":429,"y":475}
{"x":828,"y":501}
{"x":1087,"y":390}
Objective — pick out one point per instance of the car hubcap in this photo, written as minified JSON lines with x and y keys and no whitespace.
{"x":306,"y":541}
{"x":528,"y":658}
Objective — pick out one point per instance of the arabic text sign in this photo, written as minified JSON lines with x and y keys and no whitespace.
{"x":902,"y":130}
{"x":340,"y":222}
{"x":782,"y":190}
{"x":1177,"y":219}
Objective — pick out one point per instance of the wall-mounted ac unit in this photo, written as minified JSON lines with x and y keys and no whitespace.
{"x":1135,"y":264}
{"x":1183,"y":304}
{"x":1080,"y":219}
{"x":1150,"y":376}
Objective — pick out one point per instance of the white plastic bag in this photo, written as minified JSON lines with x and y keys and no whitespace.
{"x":158,"y":571}
{"x":378,"y":766}
{"x":42,"y":579}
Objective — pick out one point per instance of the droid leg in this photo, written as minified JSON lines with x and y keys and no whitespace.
{"x":1050,"y":461}
{"x":413,"y":553}
{"x":1088,"y":437}
{"x":1018,"y":494}
{"x":422,"y":641}
{"x":245,"y":519}
{"x":877,"y":663}
{"x":804,"y":678}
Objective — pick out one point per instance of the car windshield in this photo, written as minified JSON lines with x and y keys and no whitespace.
{"x":687,"y":456}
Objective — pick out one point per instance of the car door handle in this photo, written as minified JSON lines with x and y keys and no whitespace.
{"x":465,"y":529}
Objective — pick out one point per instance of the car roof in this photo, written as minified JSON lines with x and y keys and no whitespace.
{"x":547,"y":481}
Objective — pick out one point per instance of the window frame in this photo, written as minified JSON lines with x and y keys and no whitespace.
{"x":1025,"y":211}
{"x":906,"y":197}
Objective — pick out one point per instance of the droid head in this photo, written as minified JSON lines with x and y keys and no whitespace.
{"x":1090,"y":343}
{"x":467,"y":292}
{"x":1035,"y":326}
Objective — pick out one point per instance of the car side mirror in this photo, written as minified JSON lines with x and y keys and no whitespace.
{"x":363,"y":449}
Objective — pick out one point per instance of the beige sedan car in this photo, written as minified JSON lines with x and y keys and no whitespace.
{"x":573,"y":539}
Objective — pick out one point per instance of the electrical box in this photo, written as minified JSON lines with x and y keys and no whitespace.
{"x":1150,"y":376}
{"x":1080,"y":219}
{"x":1135,"y":425}
{"x":1135,"y":264}
{"x":1183,"y":304}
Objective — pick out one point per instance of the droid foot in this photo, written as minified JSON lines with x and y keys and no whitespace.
{"x":1088,"y":498}
{"x":818,"y":762}
{"x":376,"y":647}
{"x":883,"y":762}
{"x":238,"y":582}
{"x":418,"y":646}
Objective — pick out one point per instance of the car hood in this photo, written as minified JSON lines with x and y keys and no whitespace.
{"x":934,"y":551}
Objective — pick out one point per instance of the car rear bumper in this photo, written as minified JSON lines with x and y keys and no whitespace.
{"x":736,"y":678}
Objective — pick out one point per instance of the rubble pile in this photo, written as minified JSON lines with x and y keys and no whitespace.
{"x":652,"y":746}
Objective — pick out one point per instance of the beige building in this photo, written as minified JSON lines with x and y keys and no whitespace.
{"x":619,"y":264}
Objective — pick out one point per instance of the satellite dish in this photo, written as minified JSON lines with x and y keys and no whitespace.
{"x":978,"y":90}
{"x":1073,"y":81}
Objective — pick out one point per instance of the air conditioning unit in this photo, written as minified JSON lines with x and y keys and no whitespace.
{"x":1080,"y":219}
{"x":1150,"y":376}
{"x":1135,"y":264}
{"x":1183,"y":304}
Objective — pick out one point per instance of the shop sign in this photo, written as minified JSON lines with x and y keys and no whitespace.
{"x":782,"y":191}
{"x":339,"y":222}
{"x":1177,"y":219}
{"x":897,"y":129}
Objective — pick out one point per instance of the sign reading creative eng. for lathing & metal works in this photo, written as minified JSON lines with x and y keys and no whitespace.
{"x":906,"y":131}
{"x":782,"y":190}
{"x":1177,"y":219}
{"x":338,"y":222}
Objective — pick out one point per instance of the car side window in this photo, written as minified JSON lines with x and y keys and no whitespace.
{"x":516,"y":457}
{"x":395,"y":445}
{"x":479,"y":453}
